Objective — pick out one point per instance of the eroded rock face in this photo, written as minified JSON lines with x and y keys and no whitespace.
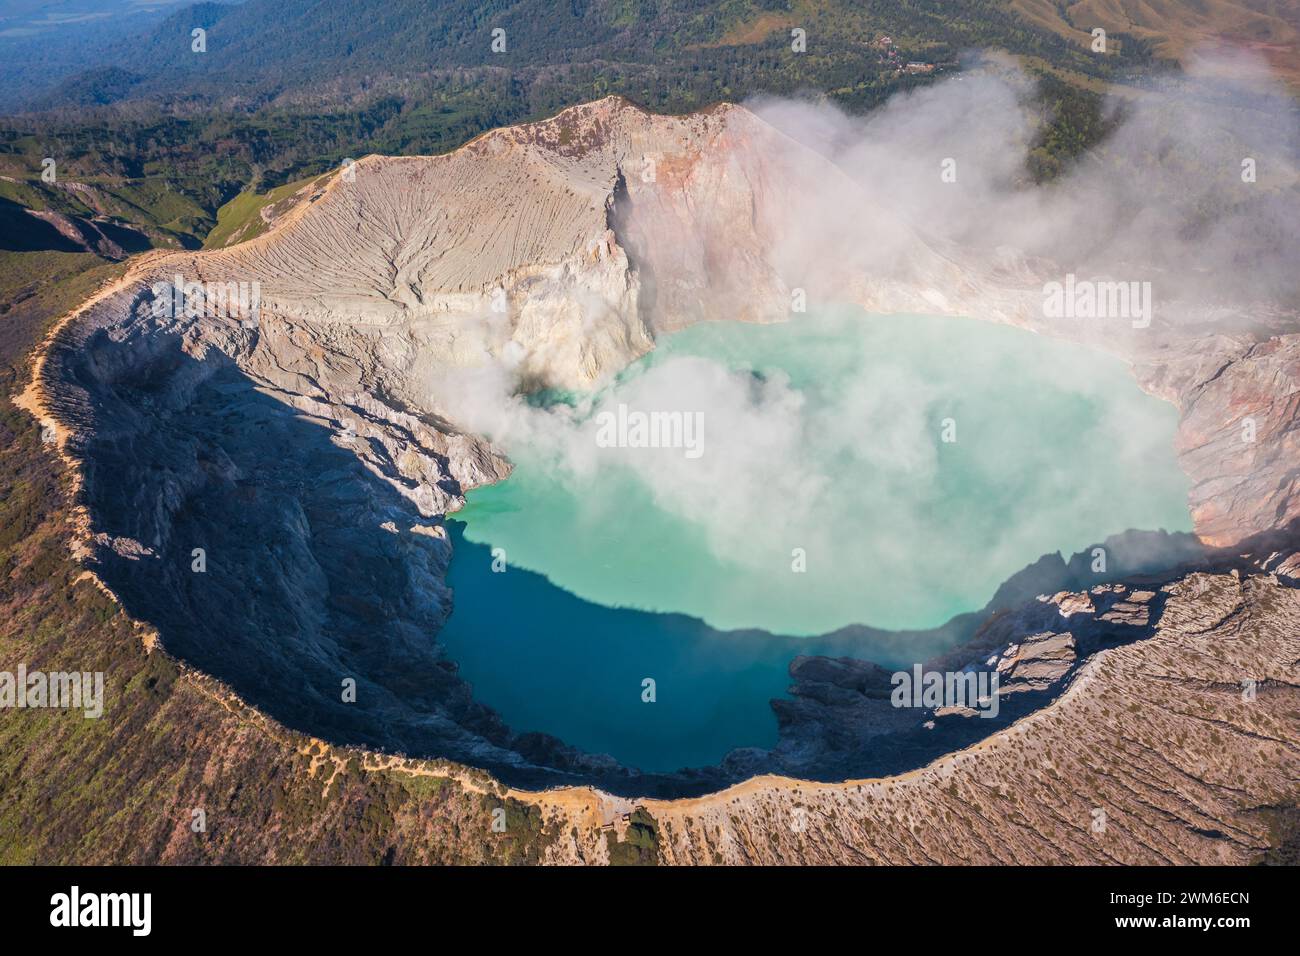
{"x":1239,"y":439}
{"x":1156,"y":751}
{"x":305,"y":453}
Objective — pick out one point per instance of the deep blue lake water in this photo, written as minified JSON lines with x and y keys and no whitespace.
{"x":622,"y":571}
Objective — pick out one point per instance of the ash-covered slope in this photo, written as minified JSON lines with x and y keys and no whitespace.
{"x":304,"y":453}
{"x":1152,"y":753}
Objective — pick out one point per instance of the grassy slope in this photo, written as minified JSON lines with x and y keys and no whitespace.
{"x":1177,"y":27}
{"x":122,"y":788}
{"x":169,"y":219}
{"x":242,"y":218}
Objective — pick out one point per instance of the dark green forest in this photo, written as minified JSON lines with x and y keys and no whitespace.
{"x":285,"y":90}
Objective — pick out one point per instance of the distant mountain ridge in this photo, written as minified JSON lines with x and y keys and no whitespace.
{"x":261,"y":49}
{"x":43,"y":44}
{"x":258,"y":50}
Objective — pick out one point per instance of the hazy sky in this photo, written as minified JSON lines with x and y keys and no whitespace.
{"x":36,"y":17}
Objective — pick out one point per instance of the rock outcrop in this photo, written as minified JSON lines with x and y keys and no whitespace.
{"x":1173,"y":748}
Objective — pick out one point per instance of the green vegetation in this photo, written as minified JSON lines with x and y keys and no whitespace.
{"x":640,"y":844}
{"x":669,"y":54}
{"x":1076,"y":123}
{"x":141,"y":212}
{"x":242,"y":219}
{"x":35,"y":287}
{"x":1284,"y":836}
{"x":123,"y":788}
{"x":175,"y":161}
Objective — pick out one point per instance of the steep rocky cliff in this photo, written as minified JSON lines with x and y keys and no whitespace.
{"x":1150,"y":753}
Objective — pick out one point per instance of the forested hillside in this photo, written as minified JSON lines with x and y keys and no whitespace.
{"x":159,"y":138}
{"x":666,"y":53}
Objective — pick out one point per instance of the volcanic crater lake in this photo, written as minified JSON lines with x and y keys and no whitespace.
{"x":890,"y":471}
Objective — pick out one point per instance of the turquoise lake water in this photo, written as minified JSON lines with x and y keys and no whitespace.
{"x":823,"y":448}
